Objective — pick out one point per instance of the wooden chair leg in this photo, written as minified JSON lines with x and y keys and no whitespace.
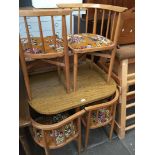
{"x":75,"y":70}
{"x":46,"y":151}
{"x":87,"y":129}
{"x":24,"y":142}
{"x":25,"y":73}
{"x":67,"y":75}
{"x":59,"y":71}
{"x":92,"y":61}
{"x":111,"y":64}
{"x":45,"y":143}
{"x":112,"y":123}
{"x":79,"y":137}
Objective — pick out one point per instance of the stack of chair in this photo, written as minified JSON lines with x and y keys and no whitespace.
{"x":33,"y":49}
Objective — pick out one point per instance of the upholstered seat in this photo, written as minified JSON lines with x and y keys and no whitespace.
{"x":125,"y":52}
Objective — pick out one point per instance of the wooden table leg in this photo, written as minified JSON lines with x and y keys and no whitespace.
{"x":75,"y":70}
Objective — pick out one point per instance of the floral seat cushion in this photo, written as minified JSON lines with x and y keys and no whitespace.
{"x":37,"y":45}
{"x":88,"y":40}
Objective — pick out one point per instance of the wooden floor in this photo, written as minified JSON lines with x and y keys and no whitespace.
{"x":49,"y":95}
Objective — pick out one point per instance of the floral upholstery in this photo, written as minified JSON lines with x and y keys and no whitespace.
{"x":103,"y":116}
{"x":37,"y":45}
{"x":58,"y":135}
{"x":87,"y":40}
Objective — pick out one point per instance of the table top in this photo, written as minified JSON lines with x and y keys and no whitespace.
{"x":49,"y":95}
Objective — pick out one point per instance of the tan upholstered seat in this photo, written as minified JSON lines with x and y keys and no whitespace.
{"x":126,"y":52}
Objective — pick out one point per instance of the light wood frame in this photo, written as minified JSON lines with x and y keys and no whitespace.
{"x":44,"y":143}
{"x":24,"y":12}
{"x":112,"y":105}
{"x":113,"y":35}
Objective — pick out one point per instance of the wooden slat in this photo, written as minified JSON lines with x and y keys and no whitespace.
{"x":41,"y":33}
{"x":27,"y":33}
{"x":24,"y":70}
{"x":117,"y":30}
{"x":131,"y":93}
{"x":92,"y":61}
{"x":78,"y":20}
{"x":97,"y":116}
{"x":131,"y":61}
{"x":105,"y":68}
{"x":66,"y":57}
{"x":30,"y":11}
{"x":117,"y":124}
{"x":54,"y":137}
{"x":113,"y":25}
{"x":108,"y":24}
{"x":54,"y":62}
{"x":45,"y":142}
{"x":131,"y":82}
{"x":71,"y":23}
{"x":132,"y":75}
{"x":59,"y":124}
{"x":130,"y":127}
{"x":130,"y":117}
{"x":102,"y":23}
{"x":32,"y":64}
{"x":53,"y":30}
{"x":63,"y":132}
{"x":130,"y":105}
{"x":95,"y":22}
{"x":92,"y":5}
{"x":87,"y":20}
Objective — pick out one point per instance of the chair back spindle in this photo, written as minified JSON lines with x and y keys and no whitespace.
{"x":102,"y":22}
{"x":41,"y":34}
{"x":109,"y":24}
{"x":27,"y":32}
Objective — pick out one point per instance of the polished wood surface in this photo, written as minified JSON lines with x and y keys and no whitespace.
{"x":49,"y":96}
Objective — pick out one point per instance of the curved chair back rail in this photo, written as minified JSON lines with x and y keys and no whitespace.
{"x":43,"y":47}
{"x":107,"y":11}
{"x":55,"y":135}
{"x":43,"y":12}
{"x":59,"y":124}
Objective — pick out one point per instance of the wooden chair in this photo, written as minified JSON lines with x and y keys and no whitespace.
{"x":124,"y":71}
{"x":47,"y":136}
{"x":100,"y":115}
{"x":91,"y":43}
{"x":50,"y":49}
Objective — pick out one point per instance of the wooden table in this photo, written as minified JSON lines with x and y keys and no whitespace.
{"x":50,"y":97}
